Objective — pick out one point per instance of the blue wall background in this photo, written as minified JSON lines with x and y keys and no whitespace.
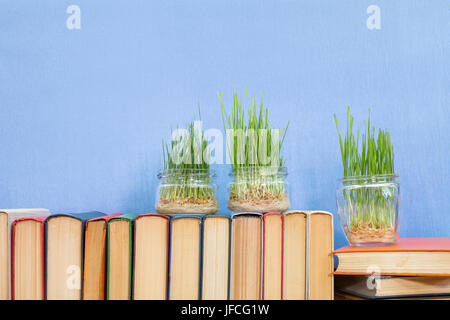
{"x":83,"y":112}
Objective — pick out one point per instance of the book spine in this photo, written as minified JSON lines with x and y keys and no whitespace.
{"x":264,"y":252}
{"x":130,"y":274}
{"x":45,"y":227}
{"x":233,"y":216}
{"x":169,"y":269}
{"x":228,"y":253}
{"x":200,"y":262}
{"x":13,"y":232}
{"x":175,"y":217}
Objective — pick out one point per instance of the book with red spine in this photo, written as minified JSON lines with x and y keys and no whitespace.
{"x":7,"y":217}
{"x":28,"y":261}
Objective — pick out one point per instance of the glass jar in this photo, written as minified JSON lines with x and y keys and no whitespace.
{"x":187,"y":191}
{"x":258,"y":189}
{"x":368,"y":209}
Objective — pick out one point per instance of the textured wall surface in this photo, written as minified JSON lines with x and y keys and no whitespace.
{"x":83,"y":111}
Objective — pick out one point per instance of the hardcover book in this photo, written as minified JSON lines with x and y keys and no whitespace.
{"x":151,"y":257}
{"x":320,"y":262}
{"x":7,"y":217}
{"x":294,"y":265}
{"x":216,"y":257}
{"x":27,"y":259}
{"x":408,"y":257}
{"x":392,"y":287}
{"x":272,"y":283}
{"x":64,"y":243}
{"x":340,"y":295}
{"x":308,"y":258}
{"x":94,"y":271}
{"x":185,"y":257}
{"x":246,"y":260}
{"x":119,"y":257}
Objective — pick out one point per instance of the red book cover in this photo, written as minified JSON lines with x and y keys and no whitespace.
{"x":405,"y":244}
{"x":13,"y":227}
{"x":264,"y":265}
{"x":436,"y":244}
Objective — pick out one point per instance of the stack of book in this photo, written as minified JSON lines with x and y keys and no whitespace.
{"x":413,"y":268}
{"x":94,"y":256}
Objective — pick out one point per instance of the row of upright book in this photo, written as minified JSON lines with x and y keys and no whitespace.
{"x":94,"y":256}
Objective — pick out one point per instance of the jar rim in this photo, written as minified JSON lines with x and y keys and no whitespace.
{"x":189,"y":171}
{"x":369,"y":177}
{"x":282,"y":170}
